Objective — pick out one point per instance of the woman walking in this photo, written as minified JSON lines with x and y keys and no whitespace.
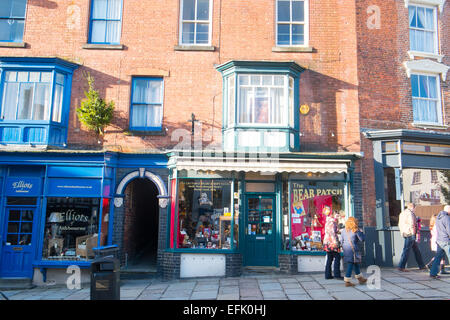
{"x":331,"y":245}
{"x":434,"y":244}
{"x":351,"y":236}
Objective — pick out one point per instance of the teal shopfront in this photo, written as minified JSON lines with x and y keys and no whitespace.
{"x":227,"y":215}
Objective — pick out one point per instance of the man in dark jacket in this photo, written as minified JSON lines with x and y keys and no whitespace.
{"x":442,"y":239}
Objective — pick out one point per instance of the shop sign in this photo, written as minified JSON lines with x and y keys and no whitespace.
{"x":74,"y":187}
{"x":23,"y":187}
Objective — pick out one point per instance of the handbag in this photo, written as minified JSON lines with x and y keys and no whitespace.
{"x":356,"y":257}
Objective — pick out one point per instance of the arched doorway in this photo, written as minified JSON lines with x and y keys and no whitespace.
{"x":141,"y":225}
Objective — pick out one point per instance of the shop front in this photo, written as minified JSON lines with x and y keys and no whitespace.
{"x":409,"y":167}
{"x":229,"y":214}
{"x":54,"y":211}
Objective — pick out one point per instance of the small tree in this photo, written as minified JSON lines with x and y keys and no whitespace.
{"x":445,"y":187}
{"x":94,"y":112}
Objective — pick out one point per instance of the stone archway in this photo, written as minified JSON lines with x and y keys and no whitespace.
{"x":140,"y":199}
{"x":142,"y":173}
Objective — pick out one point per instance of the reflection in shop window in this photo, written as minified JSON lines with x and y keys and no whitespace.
{"x":205,"y":214}
{"x":71,"y":228}
{"x":309,"y":202}
{"x":426,"y":195}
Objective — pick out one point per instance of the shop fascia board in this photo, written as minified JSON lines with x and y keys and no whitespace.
{"x":409,"y":135}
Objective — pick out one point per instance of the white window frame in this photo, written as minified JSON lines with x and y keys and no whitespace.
{"x":305,"y":24}
{"x":195,"y":21}
{"x":253,"y":123}
{"x":435,"y":53}
{"x":439,"y":104}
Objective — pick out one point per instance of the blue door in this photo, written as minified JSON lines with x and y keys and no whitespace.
{"x":17,"y":245}
{"x":260,"y":231}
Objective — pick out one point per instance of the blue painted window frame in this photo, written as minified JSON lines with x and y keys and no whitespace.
{"x":91,"y":21}
{"x":55,"y":66}
{"x":133,"y":103}
{"x":15,"y":20}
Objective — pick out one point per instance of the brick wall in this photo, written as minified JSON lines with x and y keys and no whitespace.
{"x":241,"y":30}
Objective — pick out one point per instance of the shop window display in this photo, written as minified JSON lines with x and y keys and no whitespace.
{"x":310,"y":203}
{"x":71,"y":228}
{"x":205,"y":214}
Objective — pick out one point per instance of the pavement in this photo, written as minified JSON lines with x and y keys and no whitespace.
{"x":392,"y":285}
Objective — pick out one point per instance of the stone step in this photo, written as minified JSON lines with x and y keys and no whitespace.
{"x":16,"y":283}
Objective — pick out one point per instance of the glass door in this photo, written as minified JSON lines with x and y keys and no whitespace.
{"x":260,"y":231}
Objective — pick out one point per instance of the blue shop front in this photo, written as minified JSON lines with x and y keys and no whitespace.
{"x":56,"y":207}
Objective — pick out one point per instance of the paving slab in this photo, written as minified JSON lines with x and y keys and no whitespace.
{"x":412,"y":286}
{"x":430,"y":293}
{"x":319,"y":294}
{"x":228,"y":296}
{"x":298,"y":297}
{"x":397,"y":280}
{"x":291,"y":285}
{"x":351,"y":295}
{"x":295,"y":291}
{"x":272,"y":294}
{"x":206,"y":287}
{"x":382,"y":295}
{"x":204,"y":295}
{"x":270,"y":286}
{"x":229,"y":290}
{"x":311,"y":285}
{"x":178,"y":293}
{"x":249,"y":292}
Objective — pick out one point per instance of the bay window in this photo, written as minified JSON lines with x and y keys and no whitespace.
{"x":34,"y":100}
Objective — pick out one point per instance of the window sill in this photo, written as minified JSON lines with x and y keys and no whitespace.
{"x":293,"y":49}
{"x":94,"y":46}
{"x":414,"y":54}
{"x":430,"y":126}
{"x":132,"y":132}
{"x":13,"y":44}
{"x":194,"y":48}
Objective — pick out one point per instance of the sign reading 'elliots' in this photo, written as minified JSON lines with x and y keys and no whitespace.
{"x":25,"y":187}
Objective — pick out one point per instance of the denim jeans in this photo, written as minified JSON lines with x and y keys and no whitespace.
{"x":350,"y":268}
{"x":332,"y":255}
{"x":410,"y":243}
{"x":443,"y":248}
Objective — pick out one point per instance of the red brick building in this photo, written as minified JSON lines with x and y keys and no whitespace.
{"x":198,"y":74}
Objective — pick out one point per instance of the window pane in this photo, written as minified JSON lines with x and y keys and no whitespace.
{"x":114,"y":9}
{"x":139,"y":115}
{"x":13,"y":227}
{"x":279,"y":80}
{"x":432,"y":111}
{"x":297,"y":34}
{"x":25,"y":101}
{"x":41,"y":102}
{"x":412,"y":17}
{"x":415,"y":85}
{"x":98,"y":32}
{"x":154,"y":116}
{"x":99,"y":9}
{"x":59,"y":79}
{"x":231,"y":104}
{"x":147,"y":91}
{"x":245,"y":105}
{"x":420,"y":17}
{"x":11,"y":30}
{"x":423,"y":87}
{"x":429,"y":42}
{"x":203,"y":9}
{"x":267,"y":80}
{"x":188,"y":9}
{"x":283,"y":34}
{"x":34,"y":76}
{"x":26,"y":227}
{"x":113,"y":32}
{"x":22,"y":76}
{"x":10,"y":76}
{"x":46,"y":77}
{"x":430,"y":19}
{"x":18,"y":8}
{"x":14,"y":215}
{"x":188,"y":33}
{"x":204,"y":214}
{"x":432,"y":87}
{"x":255,"y":80}
{"x":71,"y":228}
{"x":261,"y":110}
{"x":202,"y":32}
{"x":284,"y":11}
{"x":57,"y":104}
{"x":10,"y":101}
{"x":298,"y":13}
{"x":243,"y":80}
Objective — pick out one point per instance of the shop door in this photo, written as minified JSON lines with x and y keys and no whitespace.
{"x":260,"y":231}
{"x":17,"y":245}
